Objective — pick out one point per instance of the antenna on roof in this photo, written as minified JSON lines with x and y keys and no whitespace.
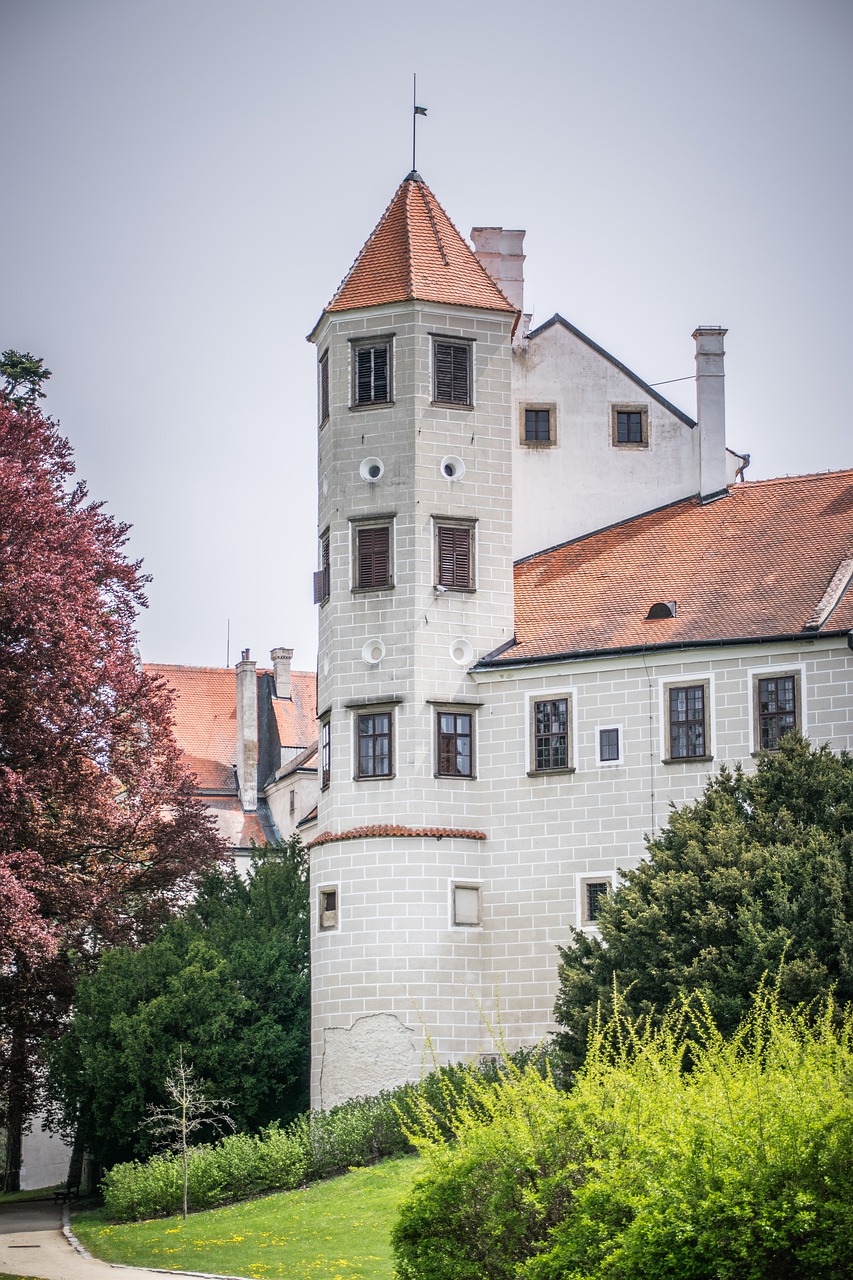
{"x":416,"y":111}
{"x":228,"y":644}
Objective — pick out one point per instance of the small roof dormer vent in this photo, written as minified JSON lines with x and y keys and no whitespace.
{"x":663,"y":609}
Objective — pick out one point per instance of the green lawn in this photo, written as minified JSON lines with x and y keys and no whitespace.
{"x":334,"y":1230}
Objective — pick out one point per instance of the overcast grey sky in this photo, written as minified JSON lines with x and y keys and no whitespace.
{"x":187,"y":181}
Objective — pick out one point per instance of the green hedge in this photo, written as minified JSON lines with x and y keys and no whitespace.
{"x":315,"y":1145}
{"x":677,"y":1155}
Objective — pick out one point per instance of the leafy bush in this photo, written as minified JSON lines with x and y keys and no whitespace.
{"x":315,"y":1145}
{"x":734,"y":1164}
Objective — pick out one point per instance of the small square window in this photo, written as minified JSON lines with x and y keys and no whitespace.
{"x":328,"y":908}
{"x":452,"y":373}
{"x":455,"y":743}
{"x":373,"y":745}
{"x":630,"y":425}
{"x":466,"y":906}
{"x":537,"y":425}
{"x":325,"y":753}
{"x":372,"y":557}
{"x":608,"y":746}
{"x":687,"y":725}
{"x":551,"y":735}
{"x":371,"y":374}
{"x":777,"y":708}
{"x":454,"y":556}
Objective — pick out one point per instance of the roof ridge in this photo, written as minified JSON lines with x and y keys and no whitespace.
{"x":432,"y":222}
{"x":805,"y":475}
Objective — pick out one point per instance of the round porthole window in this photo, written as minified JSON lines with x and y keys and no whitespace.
{"x":462,"y":651}
{"x":371,"y":470}
{"x":373,"y":652}
{"x":452,"y":468}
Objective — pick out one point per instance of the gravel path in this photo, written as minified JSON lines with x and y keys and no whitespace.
{"x":33,"y":1243}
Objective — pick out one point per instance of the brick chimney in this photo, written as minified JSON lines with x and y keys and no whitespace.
{"x":281,"y":660}
{"x":247,"y":731}
{"x":502,"y":254}
{"x":711,"y":411}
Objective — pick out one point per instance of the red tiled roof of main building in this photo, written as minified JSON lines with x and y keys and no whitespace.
{"x":762,"y":562}
{"x":415,"y":252}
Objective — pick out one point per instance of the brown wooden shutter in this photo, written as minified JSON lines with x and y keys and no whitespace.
{"x":324,"y":388}
{"x":374,"y":560}
{"x":451,"y":373}
{"x":454,"y":556}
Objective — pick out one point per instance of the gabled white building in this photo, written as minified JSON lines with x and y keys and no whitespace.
{"x":546,"y":612}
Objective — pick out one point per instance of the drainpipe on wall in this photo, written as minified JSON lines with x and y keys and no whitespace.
{"x":247,"y":732}
{"x":711,"y":411}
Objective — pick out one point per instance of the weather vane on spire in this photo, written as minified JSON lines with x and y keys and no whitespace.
{"x":416,"y":111}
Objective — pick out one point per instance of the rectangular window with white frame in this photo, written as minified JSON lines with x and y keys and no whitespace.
{"x":608,"y":744}
{"x":454,"y":743}
{"x":687,"y":721}
{"x":777,"y":705}
{"x":325,"y":752}
{"x":466,"y":906}
{"x":551,"y":733}
{"x":592,"y":889}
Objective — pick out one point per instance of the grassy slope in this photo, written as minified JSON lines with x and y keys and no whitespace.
{"x":328,"y":1231}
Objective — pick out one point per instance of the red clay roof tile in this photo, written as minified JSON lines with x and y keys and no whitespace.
{"x":416,"y":252}
{"x":205,"y":713}
{"x":754,"y":564}
{"x":429,"y":833}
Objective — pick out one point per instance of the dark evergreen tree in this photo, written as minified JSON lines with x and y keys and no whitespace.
{"x":756,"y":874}
{"x":227,"y":984}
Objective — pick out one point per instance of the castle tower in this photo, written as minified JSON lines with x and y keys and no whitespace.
{"x":414,"y":585}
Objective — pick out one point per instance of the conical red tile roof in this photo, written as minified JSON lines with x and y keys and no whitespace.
{"x":416,"y":252}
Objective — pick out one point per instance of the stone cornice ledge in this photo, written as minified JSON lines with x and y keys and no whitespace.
{"x":390,"y":829}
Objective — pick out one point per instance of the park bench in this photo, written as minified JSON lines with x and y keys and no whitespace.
{"x":70,"y":1191}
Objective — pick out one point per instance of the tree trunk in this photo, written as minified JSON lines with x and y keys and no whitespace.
{"x":75,"y":1164}
{"x":16,"y":1113}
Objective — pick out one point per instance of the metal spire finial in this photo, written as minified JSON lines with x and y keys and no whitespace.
{"x":416,"y":111}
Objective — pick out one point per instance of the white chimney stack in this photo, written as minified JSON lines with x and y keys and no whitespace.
{"x":247,"y":731}
{"x":711,"y":411}
{"x":281,"y":660}
{"x":502,"y":254}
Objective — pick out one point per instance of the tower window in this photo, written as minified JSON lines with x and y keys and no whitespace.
{"x":630,"y":425}
{"x":595,"y":891}
{"x":324,"y":388}
{"x":452,"y":373}
{"x":372,"y":374}
{"x":325,"y":753}
{"x":609,"y":746}
{"x":328,"y":908}
{"x":466,"y":906}
{"x":455,"y":735}
{"x":372,"y":557}
{"x":454,"y":556}
{"x":322,"y":578}
{"x":373,"y":745}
